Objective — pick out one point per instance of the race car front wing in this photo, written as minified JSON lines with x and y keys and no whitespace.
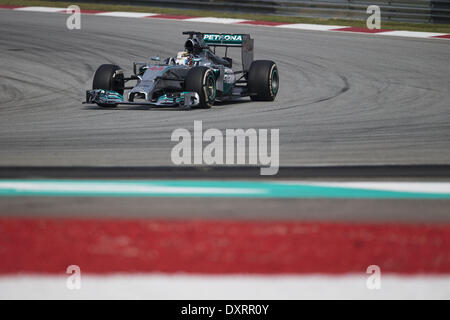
{"x":102,"y":97}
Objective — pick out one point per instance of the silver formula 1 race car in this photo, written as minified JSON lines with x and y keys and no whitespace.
{"x":197,"y":76}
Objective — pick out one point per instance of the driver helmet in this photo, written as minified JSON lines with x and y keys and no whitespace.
{"x":183,"y":58}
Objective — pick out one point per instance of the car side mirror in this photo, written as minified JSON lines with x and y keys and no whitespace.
{"x":196,"y":61}
{"x":137,"y":67}
{"x":229,"y":60}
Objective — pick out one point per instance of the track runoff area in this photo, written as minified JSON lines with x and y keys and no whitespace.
{"x":48,"y":251}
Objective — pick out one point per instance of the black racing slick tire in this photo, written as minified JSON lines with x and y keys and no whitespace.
{"x":263,"y":80}
{"x":109,"y":77}
{"x":203,"y":81}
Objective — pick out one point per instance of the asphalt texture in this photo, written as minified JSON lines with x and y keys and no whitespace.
{"x":344,"y":99}
{"x":325,"y":210}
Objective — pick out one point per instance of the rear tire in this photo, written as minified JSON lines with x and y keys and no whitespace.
{"x":202,"y":81}
{"x":263,"y":80}
{"x":109,"y":77}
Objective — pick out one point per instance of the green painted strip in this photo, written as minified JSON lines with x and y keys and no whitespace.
{"x":196,"y":188}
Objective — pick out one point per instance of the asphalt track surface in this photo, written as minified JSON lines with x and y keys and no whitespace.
{"x":344,"y":99}
{"x":339,"y":210}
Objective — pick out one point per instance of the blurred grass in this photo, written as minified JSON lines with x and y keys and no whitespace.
{"x":444,"y":28}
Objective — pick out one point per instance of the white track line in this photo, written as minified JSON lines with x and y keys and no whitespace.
{"x":126,"y":14}
{"x":181,"y":286}
{"x":411,"y":34}
{"x":422,"y":187}
{"x":303,"y":26}
{"x":216,"y":20}
{"x":41,"y":9}
{"x":110,"y":187}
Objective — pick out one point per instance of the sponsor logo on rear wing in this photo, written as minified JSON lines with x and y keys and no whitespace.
{"x":225,"y":39}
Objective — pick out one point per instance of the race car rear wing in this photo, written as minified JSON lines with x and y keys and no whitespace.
{"x":228,"y":40}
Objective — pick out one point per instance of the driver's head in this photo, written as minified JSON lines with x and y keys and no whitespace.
{"x":183,"y":58}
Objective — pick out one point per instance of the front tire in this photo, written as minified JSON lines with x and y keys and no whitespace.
{"x":109,"y":77}
{"x":263,"y":80}
{"x":202,"y":81}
